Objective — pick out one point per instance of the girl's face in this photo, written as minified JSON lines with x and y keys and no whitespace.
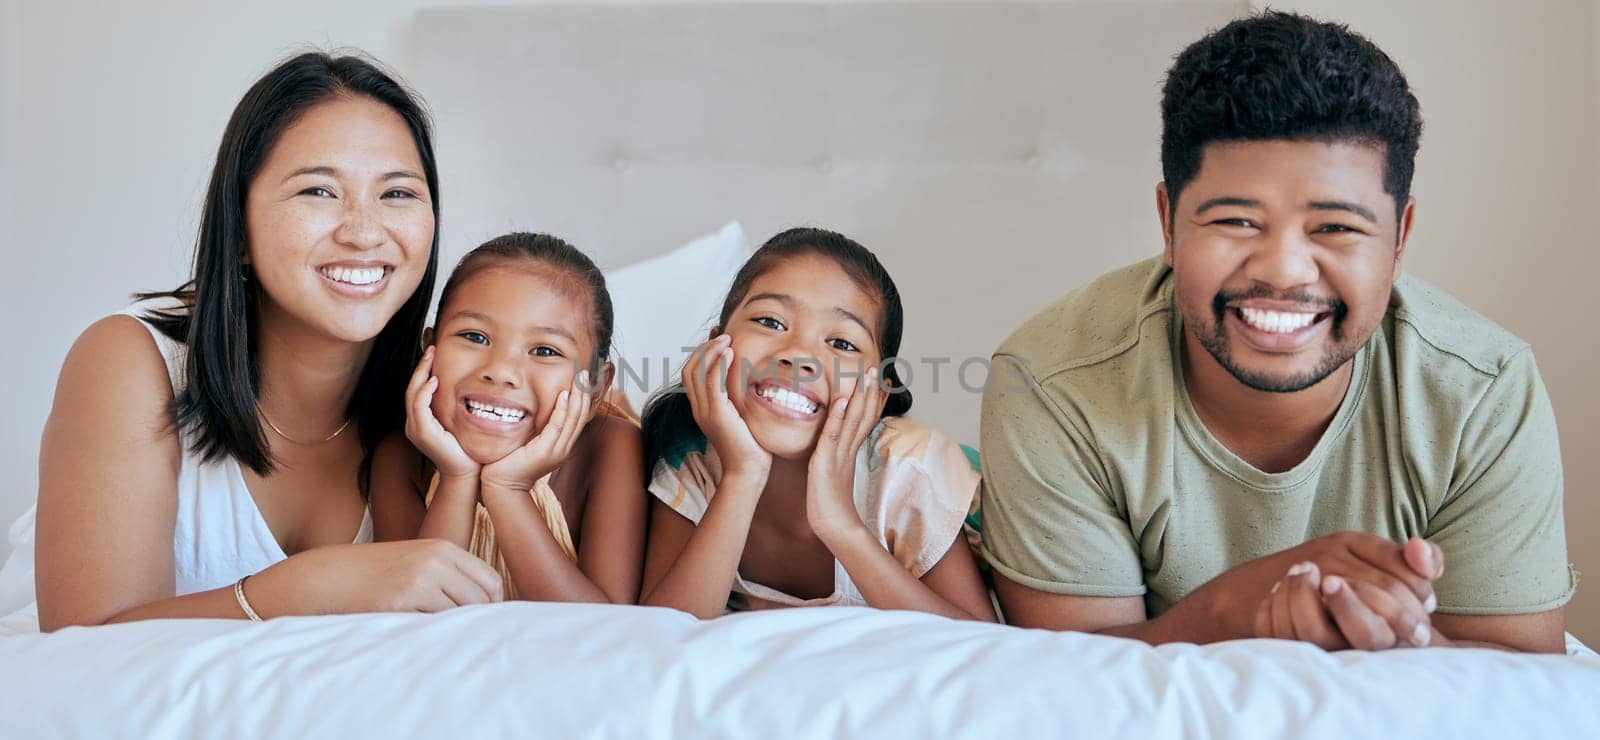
{"x":803,"y":335}
{"x":339,"y":220}
{"x":511,"y":339}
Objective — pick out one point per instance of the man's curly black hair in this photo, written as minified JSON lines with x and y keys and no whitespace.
{"x":1284,"y":76}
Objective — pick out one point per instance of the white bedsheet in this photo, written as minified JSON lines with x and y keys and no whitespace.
{"x":549,"y":670}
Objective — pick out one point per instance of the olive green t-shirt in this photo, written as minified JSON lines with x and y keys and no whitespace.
{"x":1100,"y":480}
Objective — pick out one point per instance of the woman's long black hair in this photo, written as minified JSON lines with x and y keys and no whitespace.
{"x":668,"y":418}
{"x":216,"y":407}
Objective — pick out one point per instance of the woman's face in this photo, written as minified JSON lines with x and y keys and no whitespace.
{"x":339,"y":220}
{"x":509,"y":342}
{"x":803,"y":335}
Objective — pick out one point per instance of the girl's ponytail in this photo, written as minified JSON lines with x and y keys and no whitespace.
{"x":667,"y":425}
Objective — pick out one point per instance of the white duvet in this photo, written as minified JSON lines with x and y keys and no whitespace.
{"x":553,"y":670}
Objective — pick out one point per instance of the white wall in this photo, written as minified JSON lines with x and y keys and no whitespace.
{"x":109,"y":118}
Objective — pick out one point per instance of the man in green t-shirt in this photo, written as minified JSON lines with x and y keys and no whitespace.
{"x":1269,"y":431}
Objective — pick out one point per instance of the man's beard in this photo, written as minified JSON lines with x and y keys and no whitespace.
{"x":1216,"y":342}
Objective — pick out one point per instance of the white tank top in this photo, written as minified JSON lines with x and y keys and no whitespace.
{"x":219,"y":536}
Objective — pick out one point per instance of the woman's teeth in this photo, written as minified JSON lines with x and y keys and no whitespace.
{"x":495,"y":413}
{"x":353,"y":275}
{"x":1276,"y":322}
{"x":787,"y":399}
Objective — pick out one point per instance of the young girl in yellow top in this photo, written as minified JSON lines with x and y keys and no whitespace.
{"x":507,"y":455}
{"x":782,"y":470}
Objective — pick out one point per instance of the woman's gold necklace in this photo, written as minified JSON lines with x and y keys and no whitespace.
{"x":275,"y":428}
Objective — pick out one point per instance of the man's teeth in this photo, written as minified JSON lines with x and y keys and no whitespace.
{"x":495,"y":413}
{"x":788,"y":399}
{"x":1276,"y":322}
{"x":353,"y":275}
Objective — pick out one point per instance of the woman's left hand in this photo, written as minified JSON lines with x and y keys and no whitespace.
{"x":525,"y":465}
{"x":830,"y":480}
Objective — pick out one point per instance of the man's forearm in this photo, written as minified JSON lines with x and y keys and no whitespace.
{"x":1195,"y":618}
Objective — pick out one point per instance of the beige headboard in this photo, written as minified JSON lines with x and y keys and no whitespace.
{"x":994,"y":156}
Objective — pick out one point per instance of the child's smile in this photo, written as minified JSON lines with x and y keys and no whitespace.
{"x":494,"y":414}
{"x":787,"y":399}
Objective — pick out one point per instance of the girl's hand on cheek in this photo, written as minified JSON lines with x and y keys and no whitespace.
{"x":525,"y":465}
{"x":424,"y":430}
{"x":831,"y":474}
{"x":708,"y":377}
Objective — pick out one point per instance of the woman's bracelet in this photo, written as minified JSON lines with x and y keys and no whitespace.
{"x":244,"y":603}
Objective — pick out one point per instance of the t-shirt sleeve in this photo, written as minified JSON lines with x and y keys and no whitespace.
{"x":1500,"y":525}
{"x":1049,"y":522}
{"x":926,"y":503}
{"x":684,"y":489}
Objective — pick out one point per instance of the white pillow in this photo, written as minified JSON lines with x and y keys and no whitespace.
{"x":666,"y":303}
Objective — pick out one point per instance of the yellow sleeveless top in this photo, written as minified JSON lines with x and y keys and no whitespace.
{"x":483,"y":544}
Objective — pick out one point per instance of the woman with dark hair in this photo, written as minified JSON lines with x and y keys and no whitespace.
{"x":209,"y":449}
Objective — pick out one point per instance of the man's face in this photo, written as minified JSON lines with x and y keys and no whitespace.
{"x":1283,"y":254}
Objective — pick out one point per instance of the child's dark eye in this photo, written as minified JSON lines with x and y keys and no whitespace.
{"x":545,"y":350}
{"x":769,"y":322}
{"x":474,"y":337}
{"x":319,"y":191}
{"x":843,"y":345}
